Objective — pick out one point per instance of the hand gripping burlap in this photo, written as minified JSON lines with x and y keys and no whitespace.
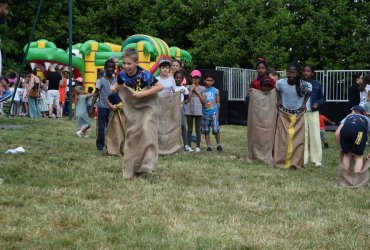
{"x":261,"y":125}
{"x":114,"y":134}
{"x":348,"y":178}
{"x":169,"y":129}
{"x":289,"y":140}
{"x":141,"y":132}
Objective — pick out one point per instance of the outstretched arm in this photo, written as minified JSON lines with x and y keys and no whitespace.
{"x":95,"y":97}
{"x":153,"y":90}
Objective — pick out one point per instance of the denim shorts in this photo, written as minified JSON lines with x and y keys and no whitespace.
{"x":209,"y":121}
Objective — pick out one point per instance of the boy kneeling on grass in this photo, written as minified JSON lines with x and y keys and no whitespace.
{"x":351,"y":138}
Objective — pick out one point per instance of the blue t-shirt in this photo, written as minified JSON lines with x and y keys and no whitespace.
{"x":114,"y":98}
{"x":140,"y":80}
{"x":210,"y":106}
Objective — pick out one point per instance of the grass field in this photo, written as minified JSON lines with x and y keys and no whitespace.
{"x":62,"y":193}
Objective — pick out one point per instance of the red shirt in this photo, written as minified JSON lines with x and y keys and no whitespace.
{"x":256,"y":83}
{"x":323,"y":119}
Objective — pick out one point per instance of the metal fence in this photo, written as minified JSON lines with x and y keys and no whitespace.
{"x":336,"y":83}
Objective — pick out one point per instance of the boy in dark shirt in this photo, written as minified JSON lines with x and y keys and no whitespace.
{"x":351,"y":137}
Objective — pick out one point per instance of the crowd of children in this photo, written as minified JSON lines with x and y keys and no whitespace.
{"x":297,"y":94}
{"x":36,"y":98}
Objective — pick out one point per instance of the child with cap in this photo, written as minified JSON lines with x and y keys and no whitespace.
{"x":194,"y":108}
{"x":165,"y":78}
{"x":351,"y":137}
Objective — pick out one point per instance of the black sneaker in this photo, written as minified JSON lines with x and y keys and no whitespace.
{"x":326,"y":145}
{"x":209,"y":149}
{"x":219,"y":148}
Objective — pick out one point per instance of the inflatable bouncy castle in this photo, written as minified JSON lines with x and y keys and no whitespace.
{"x":88,"y":58}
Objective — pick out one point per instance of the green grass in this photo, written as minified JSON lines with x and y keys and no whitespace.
{"x":63,"y":193}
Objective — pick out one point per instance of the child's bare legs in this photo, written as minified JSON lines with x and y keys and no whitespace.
{"x":346,"y":160}
{"x":208,"y":140}
{"x":84,"y":130}
{"x":217,"y":137}
{"x":359,"y":162}
{"x":60,"y":110}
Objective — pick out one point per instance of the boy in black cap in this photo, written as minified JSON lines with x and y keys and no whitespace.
{"x":351,"y":137}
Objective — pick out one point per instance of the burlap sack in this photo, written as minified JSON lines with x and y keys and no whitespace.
{"x":289,"y":140}
{"x":114,"y":134}
{"x":141,"y":132}
{"x":169,"y":129}
{"x":261,"y":125}
{"x":348,"y":178}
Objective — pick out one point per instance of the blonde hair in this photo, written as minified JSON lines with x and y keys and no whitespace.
{"x":131,"y":53}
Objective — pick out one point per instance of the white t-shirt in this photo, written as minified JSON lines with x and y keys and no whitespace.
{"x":363,"y":95}
{"x":184,"y":91}
{"x":168,"y":84}
{"x":19,"y":94}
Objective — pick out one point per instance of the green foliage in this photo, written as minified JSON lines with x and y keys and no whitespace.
{"x":329,"y":34}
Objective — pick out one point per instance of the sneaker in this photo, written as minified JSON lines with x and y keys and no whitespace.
{"x":318,"y":164}
{"x":197,"y":150}
{"x":79,"y":133}
{"x":219,"y":148}
{"x":209,"y":148}
{"x":326,"y":145}
{"x":187,"y":148}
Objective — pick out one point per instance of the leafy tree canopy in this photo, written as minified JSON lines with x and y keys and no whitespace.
{"x":328,"y":34}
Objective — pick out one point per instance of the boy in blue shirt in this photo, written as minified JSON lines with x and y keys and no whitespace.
{"x":351,"y":137}
{"x":210,"y":110}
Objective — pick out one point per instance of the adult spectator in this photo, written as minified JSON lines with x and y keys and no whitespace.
{"x":54,"y":80}
{"x":354,"y":91}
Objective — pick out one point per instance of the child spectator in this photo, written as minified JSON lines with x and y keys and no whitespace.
{"x":324,"y":119}
{"x":273,"y":74}
{"x":89,"y":99}
{"x":63,"y":90}
{"x":367,"y":104}
{"x":165,"y":78}
{"x":25,"y":82}
{"x":177,"y":66}
{"x":210,"y":111}
{"x":102,"y":90}
{"x":82,"y":118}
{"x":16,"y":107}
{"x":43,"y":105}
{"x":351,"y":137}
{"x":179,"y":77}
{"x":194,"y":108}
{"x":114,"y":135}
